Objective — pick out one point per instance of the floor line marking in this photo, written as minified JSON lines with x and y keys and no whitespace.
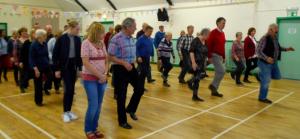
{"x":25,"y":94}
{"x":4,"y":135}
{"x":195,"y":115}
{"x":253,"y":86}
{"x":189,"y":107}
{"x":27,"y":121}
{"x":251,"y":116}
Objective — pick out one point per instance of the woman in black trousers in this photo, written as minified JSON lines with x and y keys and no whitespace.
{"x":198,"y":55}
{"x":165,"y":50}
{"x":39,"y":61}
{"x":237,"y":54}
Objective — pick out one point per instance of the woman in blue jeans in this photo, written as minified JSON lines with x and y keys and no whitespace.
{"x":94,"y":76}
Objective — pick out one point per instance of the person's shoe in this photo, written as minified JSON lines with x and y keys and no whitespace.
{"x":133,"y":116}
{"x":265,"y":101}
{"x":163,"y":77}
{"x":5,"y":78}
{"x":257,"y":77}
{"x":212,"y":88}
{"x":239,"y":84}
{"x":145,"y":90}
{"x":91,"y":136}
{"x":47,"y":92}
{"x":40,"y":104}
{"x":247,"y":81}
{"x":232,"y":75}
{"x":99,"y":135}
{"x":166,"y":84}
{"x":196,"y":98}
{"x":182,"y":81}
{"x":57,"y":92}
{"x":66,"y":117}
{"x":190,"y":84}
{"x":72,"y":116}
{"x":206,"y":75}
{"x":217,"y":94}
{"x":151,"y":81}
{"x":23,"y":90}
{"x":125,"y":125}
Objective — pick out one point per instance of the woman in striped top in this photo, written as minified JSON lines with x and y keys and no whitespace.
{"x":165,"y":50}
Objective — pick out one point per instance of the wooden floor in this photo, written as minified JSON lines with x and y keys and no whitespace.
{"x":164,"y":113}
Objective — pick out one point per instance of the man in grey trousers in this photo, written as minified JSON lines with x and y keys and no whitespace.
{"x":216,"y":55}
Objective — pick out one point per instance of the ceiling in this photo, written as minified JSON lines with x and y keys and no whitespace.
{"x":70,"y":5}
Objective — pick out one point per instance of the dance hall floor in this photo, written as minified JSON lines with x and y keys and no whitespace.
{"x":164,"y":113}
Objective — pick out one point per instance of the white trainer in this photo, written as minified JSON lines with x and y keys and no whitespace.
{"x":72,"y":116}
{"x":66,"y":117}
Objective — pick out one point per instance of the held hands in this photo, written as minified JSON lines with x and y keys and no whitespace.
{"x":290,"y":49}
{"x":237,"y":59}
{"x":102,"y":78}
{"x":58,"y":74}
{"x":127,"y":66}
{"x":37,"y":73}
{"x":139,"y":60}
{"x":270,"y":60}
{"x":194,"y":66}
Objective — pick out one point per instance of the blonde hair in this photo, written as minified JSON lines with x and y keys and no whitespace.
{"x":93,"y":32}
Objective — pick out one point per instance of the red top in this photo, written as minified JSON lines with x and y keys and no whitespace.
{"x":106,"y":39}
{"x":249,"y":47}
{"x":216,"y":43}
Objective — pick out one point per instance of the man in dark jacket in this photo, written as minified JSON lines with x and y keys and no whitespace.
{"x":268,"y":53}
{"x":66,"y":59}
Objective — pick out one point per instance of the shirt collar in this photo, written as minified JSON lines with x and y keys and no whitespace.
{"x":219,"y":30}
{"x":124,"y":35}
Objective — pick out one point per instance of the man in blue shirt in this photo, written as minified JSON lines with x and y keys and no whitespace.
{"x":159,"y":36}
{"x":144,"y":50}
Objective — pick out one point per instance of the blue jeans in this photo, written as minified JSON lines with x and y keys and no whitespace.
{"x":95,"y":92}
{"x":266,"y":73}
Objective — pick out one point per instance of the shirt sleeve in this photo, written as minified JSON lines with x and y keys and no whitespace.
{"x":113,"y":47}
{"x":260,"y":48}
{"x":193,"y":45}
{"x":85,"y":51}
{"x":33,"y":55}
{"x":138,"y":47}
{"x":233,"y":49}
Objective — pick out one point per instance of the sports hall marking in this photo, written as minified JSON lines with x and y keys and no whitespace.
{"x":27,"y":121}
{"x":195,"y":115}
{"x":253,"y":86}
{"x":251,"y":116}
{"x":4,"y":135}
{"x":25,"y":94}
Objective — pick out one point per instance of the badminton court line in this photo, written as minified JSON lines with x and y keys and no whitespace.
{"x":195,"y":115}
{"x":25,"y":94}
{"x":27,"y":121}
{"x":253,"y":86}
{"x":251,"y":116}
{"x":4,"y":135}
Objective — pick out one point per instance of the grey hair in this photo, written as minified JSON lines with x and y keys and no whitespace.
{"x":273,"y":25}
{"x":40,"y":33}
{"x":204,"y":31}
{"x":128,"y":22}
{"x":238,"y":33}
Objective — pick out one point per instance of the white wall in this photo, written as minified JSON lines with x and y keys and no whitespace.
{"x":239,"y":16}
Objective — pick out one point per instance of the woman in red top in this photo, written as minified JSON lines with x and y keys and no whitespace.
{"x":249,"y":51}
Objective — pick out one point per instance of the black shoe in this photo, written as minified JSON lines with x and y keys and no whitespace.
{"x":5,"y":78}
{"x":265,"y":101}
{"x":133,"y":116}
{"x":190,"y":84}
{"x":196,"y":98}
{"x":151,"y":81}
{"x":47,"y":92}
{"x":182,"y":81}
{"x":217,"y":94}
{"x":212,"y":89}
{"x":40,"y":104}
{"x":232,"y":75}
{"x":166,"y":84}
{"x":163,"y":77}
{"x":126,"y":126}
{"x":239,"y":84}
{"x":23,"y":90}
{"x":247,"y":81}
